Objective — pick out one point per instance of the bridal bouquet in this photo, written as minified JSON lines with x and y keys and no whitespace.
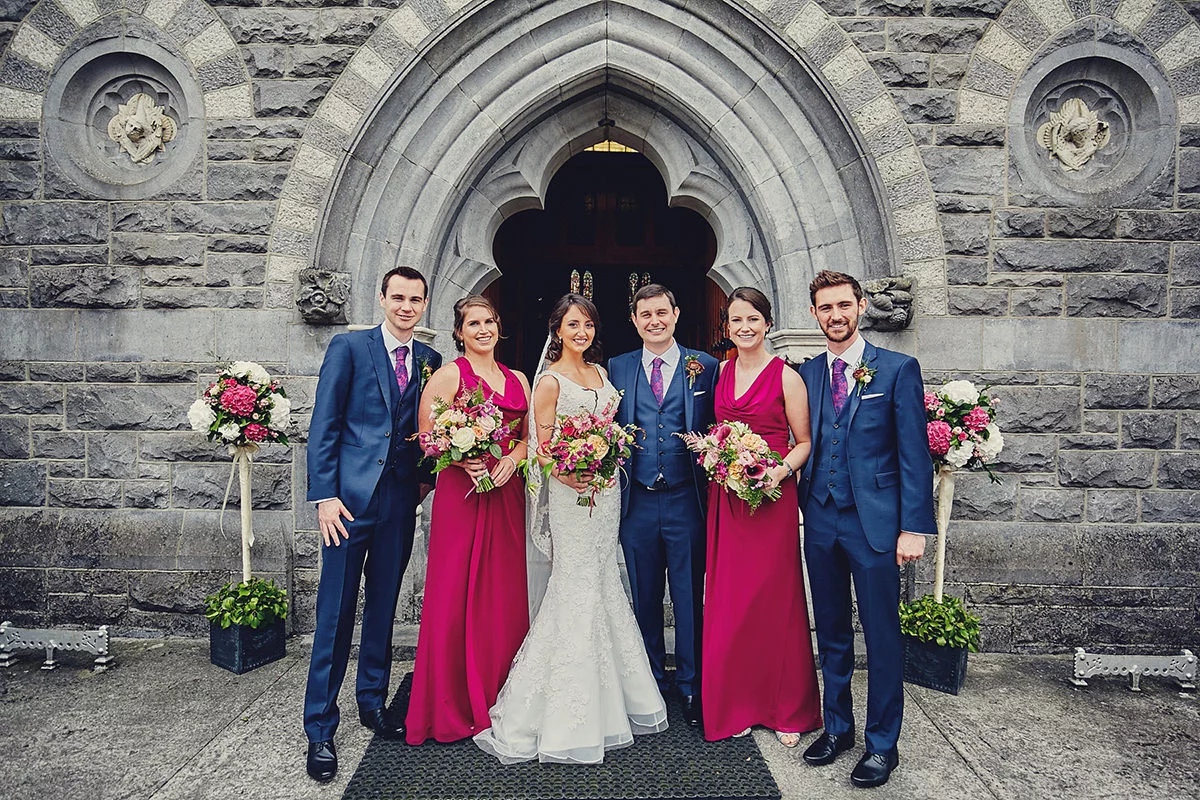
{"x":470,"y":427}
{"x":243,"y":407}
{"x":737,"y":458}
{"x":961,"y":427}
{"x":587,"y":442}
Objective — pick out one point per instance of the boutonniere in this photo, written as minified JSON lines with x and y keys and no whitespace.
{"x":425,"y":371}
{"x":862,"y":375}
{"x":692,"y":368}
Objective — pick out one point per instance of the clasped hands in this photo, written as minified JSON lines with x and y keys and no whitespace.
{"x":477,"y":468}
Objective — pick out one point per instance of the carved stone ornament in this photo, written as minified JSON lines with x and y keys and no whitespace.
{"x":889,"y":303}
{"x":1073,"y":134}
{"x":323,"y":296}
{"x":141,"y":128}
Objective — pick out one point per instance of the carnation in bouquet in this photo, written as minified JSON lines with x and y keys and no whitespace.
{"x":737,"y":458}
{"x":961,"y":428}
{"x":471,"y":426}
{"x":243,"y":407}
{"x":593,"y":443}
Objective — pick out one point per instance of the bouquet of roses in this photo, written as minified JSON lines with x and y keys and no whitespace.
{"x":737,"y":458}
{"x":961,"y":427}
{"x":243,"y":407}
{"x":470,"y":427}
{"x":587,"y":442}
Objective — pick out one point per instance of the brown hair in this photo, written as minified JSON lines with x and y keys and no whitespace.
{"x":403,"y":272}
{"x":460,"y":314}
{"x":827,"y":279}
{"x":755,"y":298}
{"x":649,"y":291}
{"x":594,"y":354}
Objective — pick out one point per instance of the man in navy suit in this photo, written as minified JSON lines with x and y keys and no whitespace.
{"x":363,"y":476}
{"x":867,"y":497}
{"x":668,"y":390}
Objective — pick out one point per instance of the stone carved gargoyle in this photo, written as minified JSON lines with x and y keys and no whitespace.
{"x":141,"y":128}
{"x":889,"y":303}
{"x":323,"y":296}
{"x":1073,"y":134}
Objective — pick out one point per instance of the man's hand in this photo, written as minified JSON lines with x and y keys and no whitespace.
{"x":329,"y":515}
{"x":909,"y":547}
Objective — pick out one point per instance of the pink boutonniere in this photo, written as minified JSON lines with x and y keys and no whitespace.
{"x":862,"y":375}
{"x":692,"y":368}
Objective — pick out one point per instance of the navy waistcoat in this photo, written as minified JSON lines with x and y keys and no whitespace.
{"x":662,"y":452}
{"x":831,"y":466}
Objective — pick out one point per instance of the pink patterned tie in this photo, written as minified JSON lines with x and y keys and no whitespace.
{"x":840,"y":389}
{"x":402,"y":367}
{"x":656,"y":384}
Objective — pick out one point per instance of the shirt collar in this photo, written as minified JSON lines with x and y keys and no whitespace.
{"x":853,"y":354}
{"x":391,"y":342}
{"x":670,"y":358}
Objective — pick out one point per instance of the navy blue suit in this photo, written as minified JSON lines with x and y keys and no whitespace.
{"x":359,"y":451}
{"x":662,"y":521}
{"x":868,"y":478}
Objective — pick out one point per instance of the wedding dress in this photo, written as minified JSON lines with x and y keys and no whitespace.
{"x":581,"y":682}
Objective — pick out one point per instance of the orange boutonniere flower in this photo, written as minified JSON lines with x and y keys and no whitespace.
{"x":692,"y":368}
{"x":862,"y":375}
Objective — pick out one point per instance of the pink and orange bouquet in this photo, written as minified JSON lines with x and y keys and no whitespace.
{"x":737,"y":458}
{"x":961,"y":427}
{"x":243,"y":407}
{"x":470,"y":427}
{"x":590,"y":442}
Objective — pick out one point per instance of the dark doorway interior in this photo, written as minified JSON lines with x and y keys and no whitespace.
{"x":606,"y":216}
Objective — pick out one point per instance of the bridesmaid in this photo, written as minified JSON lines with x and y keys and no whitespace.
{"x":475,"y":612}
{"x":757,"y":650}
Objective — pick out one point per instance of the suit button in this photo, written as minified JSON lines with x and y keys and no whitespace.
{"x":834,"y":458}
{"x":836,"y":425}
{"x":835,"y":441}
{"x":831,"y":472}
{"x":660,"y":424}
{"x":389,"y":433}
{"x":381,"y":461}
{"x":831,"y":486}
{"x":660,"y":438}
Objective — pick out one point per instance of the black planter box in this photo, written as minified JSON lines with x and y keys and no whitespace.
{"x":934,"y":666}
{"x":240,"y":648}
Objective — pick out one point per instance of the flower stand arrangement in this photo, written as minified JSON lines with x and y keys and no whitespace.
{"x":938,"y":631}
{"x":244,"y":408}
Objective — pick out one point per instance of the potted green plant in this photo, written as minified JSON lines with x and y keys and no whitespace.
{"x":246,"y":624}
{"x":937,"y":635}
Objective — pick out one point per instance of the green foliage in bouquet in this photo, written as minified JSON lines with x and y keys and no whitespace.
{"x":254,"y":603}
{"x":947,"y":623}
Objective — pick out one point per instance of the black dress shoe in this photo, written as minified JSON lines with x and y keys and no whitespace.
{"x":874,"y":769}
{"x":378,"y":720}
{"x":691,"y":710}
{"x":322,"y":761}
{"x":827,"y":747}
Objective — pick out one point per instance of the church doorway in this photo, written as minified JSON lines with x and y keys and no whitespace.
{"x":606,"y":230}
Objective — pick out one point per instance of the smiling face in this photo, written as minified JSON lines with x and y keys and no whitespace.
{"x":837,"y":311}
{"x":747,"y":326}
{"x":403,"y":304}
{"x":655,"y":321}
{"x":577,"y":330}
{"x":480,"y":330}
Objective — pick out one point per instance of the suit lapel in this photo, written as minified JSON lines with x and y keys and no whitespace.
{"x":631,"y":382}
{"x":689,"y":397}
{"x":383,"y":369}
{"x":856,"y":392}
{"x":818,"y":392}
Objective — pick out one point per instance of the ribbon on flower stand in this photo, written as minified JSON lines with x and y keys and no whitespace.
{"x":243,"y":458}
{"x":945,"y":502}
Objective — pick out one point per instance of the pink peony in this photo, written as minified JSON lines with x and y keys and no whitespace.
{"x":255,"y":433}
{"x":977,"y":418}
{"x":239,"y":400}
{"x":939,"y":437}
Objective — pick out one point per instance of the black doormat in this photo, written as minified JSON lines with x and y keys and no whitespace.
{"x":676,"y":763}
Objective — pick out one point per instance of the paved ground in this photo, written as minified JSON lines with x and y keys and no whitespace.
{"x":164,"y":723}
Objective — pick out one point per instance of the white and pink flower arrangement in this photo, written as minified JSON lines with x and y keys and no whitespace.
{"x":471,"y":426}
{"x":737,"y":458}
{"x":961,"y":427}
{"x":244,"y":406}
{"x":590,"y":442}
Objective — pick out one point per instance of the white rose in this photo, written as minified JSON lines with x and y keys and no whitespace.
{"x":486,"y":424}
{"x":463,"y":438}
{"x":960,"y":392}
{"x":201,"y":416}
{"x":281,"y":410}
{"x":229,"y":431}
{"x":959,"y":455}
{"x":249,"y":369}
{"x":991,"y":447}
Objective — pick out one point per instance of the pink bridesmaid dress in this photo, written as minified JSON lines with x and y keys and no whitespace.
{"x":475,"y":612}
{"x":757,"y":657}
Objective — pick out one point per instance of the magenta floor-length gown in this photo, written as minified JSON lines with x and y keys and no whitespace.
{"x":475,"y":612}
{"x":757,"y":654}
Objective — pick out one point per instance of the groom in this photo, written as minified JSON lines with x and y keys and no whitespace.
{"x":363,"y":476}
{"x":867,"y":498}
{"x":668,"y":389}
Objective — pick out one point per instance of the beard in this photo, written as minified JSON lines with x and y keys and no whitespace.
{"x":851,"y":327}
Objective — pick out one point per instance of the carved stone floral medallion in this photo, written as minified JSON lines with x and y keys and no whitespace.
{"x":141,"y":128}
{"x":1073,"y":134}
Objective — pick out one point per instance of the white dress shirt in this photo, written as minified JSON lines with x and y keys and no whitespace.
{"x":852,"y":356}
{"x":670,"y":362}
{"x":391,"y":343}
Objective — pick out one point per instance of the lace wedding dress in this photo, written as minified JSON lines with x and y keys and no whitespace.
{"x":581,"y":682}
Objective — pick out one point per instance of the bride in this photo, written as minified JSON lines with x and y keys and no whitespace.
{"x":581,"y":682}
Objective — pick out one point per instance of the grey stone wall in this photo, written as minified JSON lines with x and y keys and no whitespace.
{"x":1080,"y":309}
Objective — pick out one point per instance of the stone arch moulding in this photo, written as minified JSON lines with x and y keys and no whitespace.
{"x":768,"y":122}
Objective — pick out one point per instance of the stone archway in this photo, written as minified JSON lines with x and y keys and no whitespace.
{"x":729,"y":106}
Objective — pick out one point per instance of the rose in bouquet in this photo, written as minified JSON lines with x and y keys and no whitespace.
{"x":590,"y":442}
{"x":243,"y":407}
{"x":470,"y":427}
{"x":961,"y":427}
{"x":737,"y":458}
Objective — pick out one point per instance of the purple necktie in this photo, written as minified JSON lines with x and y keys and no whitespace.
{"x":402,"y":368}
{"x":656,"y":384}
{"x":840,"y":389}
